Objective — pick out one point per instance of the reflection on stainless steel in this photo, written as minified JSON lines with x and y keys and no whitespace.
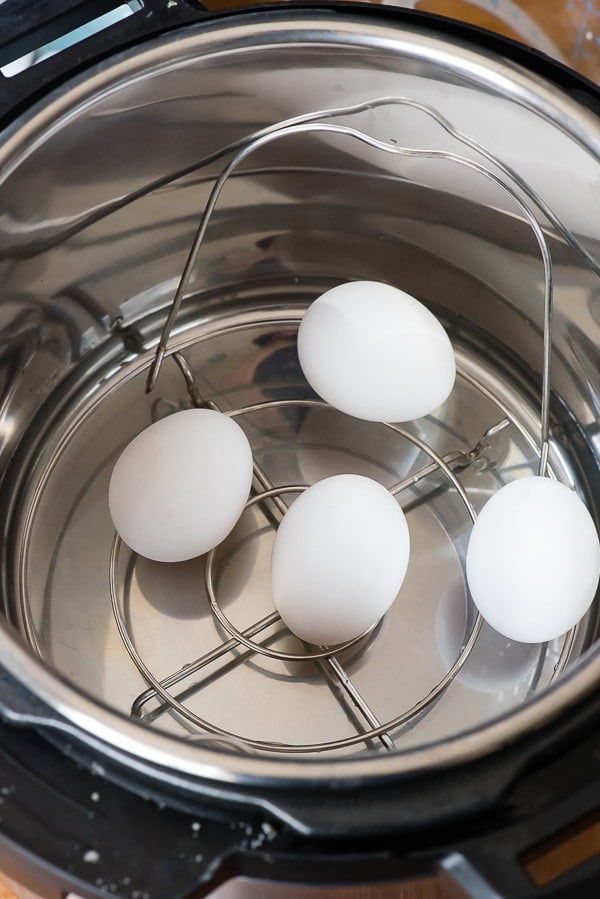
{"x":287,"y":129}
{"x":271,"y":493}
{"x":94,"y":237}
{"x":454,"y":460}
{"x":245,"y":639}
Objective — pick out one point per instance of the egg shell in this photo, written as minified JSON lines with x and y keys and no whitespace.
{"x":180,"y":486}
{"x":339,"y":559}
{"x":533,"y":560}
{"x":375,"y":352}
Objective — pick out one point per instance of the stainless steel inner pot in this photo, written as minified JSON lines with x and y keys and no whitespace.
{"x":101,"y":196}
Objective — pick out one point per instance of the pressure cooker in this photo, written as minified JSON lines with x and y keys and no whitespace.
{"x":161,"y":730}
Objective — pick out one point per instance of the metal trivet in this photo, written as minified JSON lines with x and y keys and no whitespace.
{"x":270,"y":497}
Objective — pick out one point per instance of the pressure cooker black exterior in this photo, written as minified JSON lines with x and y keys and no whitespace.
{"x":88,"y":819}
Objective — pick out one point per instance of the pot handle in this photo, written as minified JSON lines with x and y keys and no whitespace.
{"x":44,"y":42}
{"x":551,"y":854}
{"x":493,"y":872}
{"x":493,"y":876}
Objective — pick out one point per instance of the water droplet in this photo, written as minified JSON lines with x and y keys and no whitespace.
{"x":268,"y":830}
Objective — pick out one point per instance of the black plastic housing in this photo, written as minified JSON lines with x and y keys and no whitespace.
{"x":72,"y":819}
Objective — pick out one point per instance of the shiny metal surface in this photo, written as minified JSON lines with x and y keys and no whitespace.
{"x":301,"y":656}
{"x":165,"y":605}
{"x":86,"y":280}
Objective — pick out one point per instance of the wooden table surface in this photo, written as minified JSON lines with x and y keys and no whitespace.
{"x":569,"y":30}
{"x":425,"y":890}
{"x":428,"y":889}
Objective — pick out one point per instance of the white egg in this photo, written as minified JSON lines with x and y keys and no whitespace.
{"x":533,"y":560}
{"x":339,"y":559}
{"x":179,"y":487}
{"x":376,"y":352}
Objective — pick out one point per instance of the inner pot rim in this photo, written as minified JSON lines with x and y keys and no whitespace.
{"x":76,"y":713}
